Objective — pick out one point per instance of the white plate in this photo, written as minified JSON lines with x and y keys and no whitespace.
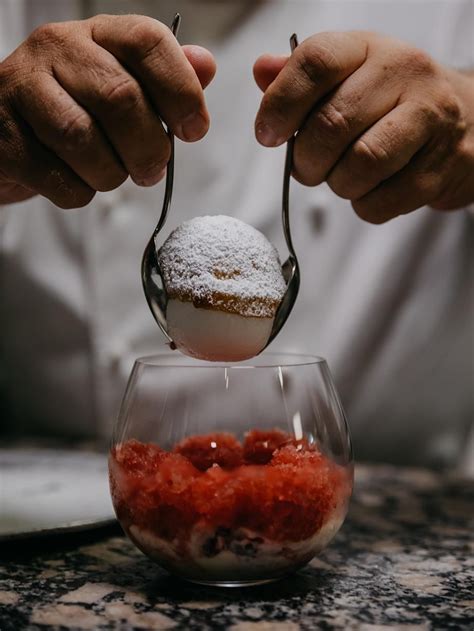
{"x":43,"y":491}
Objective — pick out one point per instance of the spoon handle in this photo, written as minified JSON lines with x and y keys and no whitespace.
{"x":170,"y":166}
{"x":286,"y":179}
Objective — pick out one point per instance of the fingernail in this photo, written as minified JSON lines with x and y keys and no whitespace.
{"x":151,"y":180}
{"x":267,"y":137}
{"x":193,"y":127}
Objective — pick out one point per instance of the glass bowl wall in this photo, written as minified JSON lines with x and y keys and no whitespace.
{"x":231,"y":474}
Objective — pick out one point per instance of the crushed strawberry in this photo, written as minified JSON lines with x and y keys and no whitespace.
{"x":138,"y":458}
{"x":204,"y":451}
{"x":273,"y":485}
{"x":259,"y":445}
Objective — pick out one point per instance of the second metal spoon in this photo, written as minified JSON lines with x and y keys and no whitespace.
{"x":290,"y":268}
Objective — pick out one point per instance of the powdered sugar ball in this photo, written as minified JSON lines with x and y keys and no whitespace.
{"x":224,"y":283}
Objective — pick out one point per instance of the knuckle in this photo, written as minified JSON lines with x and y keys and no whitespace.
{"x":47,"y":34}
{"x":427,"y":113}
{"x":187,"y":94}
{"x":445,"y":118}
{"x":444,"y":109}
{"x":452,"y":116}
{"x":274,"y":106}
{"x":22,"y":85}
{"x":451,"y":107}
{"x":316,"y":61}
{"x":419,"y":62}
{"x":146,"y":37}
{"x":329,"y":122}
{"x":76,"y":132}
{"x":368,"y":154}
{"x":122,"y":93}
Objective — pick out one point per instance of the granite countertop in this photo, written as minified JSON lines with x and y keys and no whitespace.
{"x":403,"y":560}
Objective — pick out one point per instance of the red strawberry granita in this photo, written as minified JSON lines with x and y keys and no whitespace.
{"x":217,"y":509}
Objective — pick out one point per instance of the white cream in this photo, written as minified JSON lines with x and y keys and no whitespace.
{"x":271,"y":557}
{"x":216,"y":335}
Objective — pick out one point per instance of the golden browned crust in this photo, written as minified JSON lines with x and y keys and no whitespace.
{"x":264,"y":307}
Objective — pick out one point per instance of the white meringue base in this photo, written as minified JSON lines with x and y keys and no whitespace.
{"x":215,"y":335}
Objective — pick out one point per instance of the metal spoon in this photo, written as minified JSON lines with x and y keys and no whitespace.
{"x":152,"y":280}
{"x":290,"y":268}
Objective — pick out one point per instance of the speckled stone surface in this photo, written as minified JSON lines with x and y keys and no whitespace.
{"x":403,"y":560}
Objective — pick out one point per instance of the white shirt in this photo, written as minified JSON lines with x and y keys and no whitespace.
{"x":389,"y":306}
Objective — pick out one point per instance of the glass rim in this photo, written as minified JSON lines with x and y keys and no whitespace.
{"x":175,"y":359}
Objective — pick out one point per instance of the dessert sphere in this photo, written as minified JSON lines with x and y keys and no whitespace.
{"x":224,"y":284}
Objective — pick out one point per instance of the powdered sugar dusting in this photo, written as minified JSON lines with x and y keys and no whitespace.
{"x":221,"y":262}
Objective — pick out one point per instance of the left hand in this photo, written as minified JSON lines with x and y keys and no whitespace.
{"x":384,"y":124}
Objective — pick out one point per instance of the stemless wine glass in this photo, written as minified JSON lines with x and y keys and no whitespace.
{"x":231,"y":474}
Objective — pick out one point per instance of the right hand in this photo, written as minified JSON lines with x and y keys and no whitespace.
{"x":81,"y":105}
